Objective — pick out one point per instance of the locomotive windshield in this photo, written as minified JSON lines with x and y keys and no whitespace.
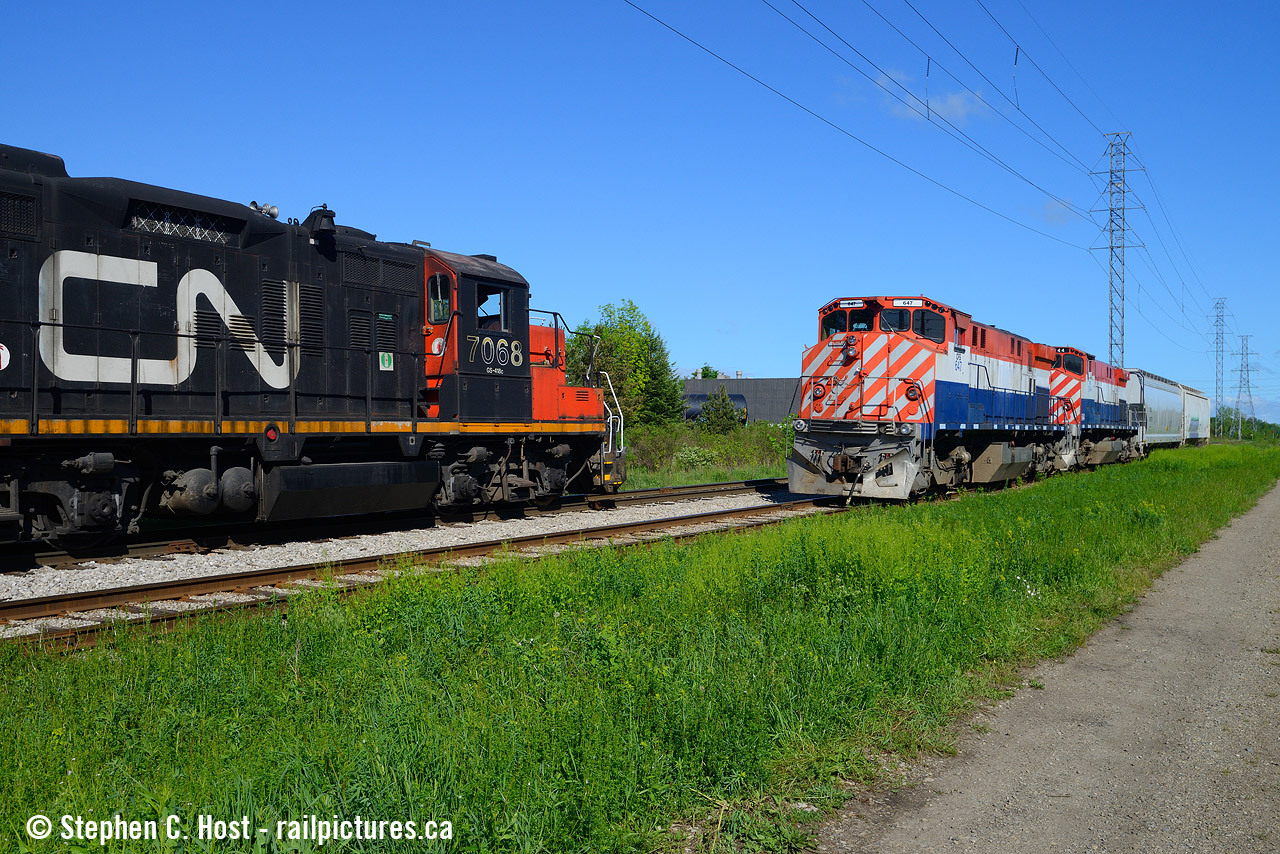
{"x":1070,"y":362}
{"x":929,"y":324}
{"x":833,"y":323}
{"x":862,"y":320}
{"x":855,"y":320}
{"x":895,"y":320}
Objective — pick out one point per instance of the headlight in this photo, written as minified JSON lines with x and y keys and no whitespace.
{"x":799,"y":426}
{"x":913,"y":392}
{"x":904,"y":429}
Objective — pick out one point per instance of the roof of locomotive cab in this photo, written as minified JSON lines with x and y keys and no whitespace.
{"x":887,"y":302}
{"x":479,"y":266}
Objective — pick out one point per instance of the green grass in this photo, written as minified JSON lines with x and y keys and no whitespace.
{"x":648,"y":479}
{"x":585,"y":702}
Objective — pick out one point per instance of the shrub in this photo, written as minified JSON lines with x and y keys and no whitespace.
{"x":719,"y":415}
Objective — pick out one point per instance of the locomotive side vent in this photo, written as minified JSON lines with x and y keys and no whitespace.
{"x":359,"y":329}
{"x":18,"y":214}
{"x":208,"y":329}
{"x":242,"y":332}
{"x":274,"y":320}
{"x":182,"y":222}
{"x":387,"y":332}
{"x":311,"y":319}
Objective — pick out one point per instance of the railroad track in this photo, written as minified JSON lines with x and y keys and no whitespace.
{"x":205,"y":538}
{"x":89,"y":613}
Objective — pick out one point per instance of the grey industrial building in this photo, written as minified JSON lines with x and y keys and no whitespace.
{"x":773,"y":399}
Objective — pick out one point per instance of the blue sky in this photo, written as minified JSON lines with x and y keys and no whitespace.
{"x":606,"y":158}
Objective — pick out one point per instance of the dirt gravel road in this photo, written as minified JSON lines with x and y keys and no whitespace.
{"x":1162,"y":734}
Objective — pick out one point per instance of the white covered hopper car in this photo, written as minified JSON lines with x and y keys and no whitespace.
{"x":1170,"y":413}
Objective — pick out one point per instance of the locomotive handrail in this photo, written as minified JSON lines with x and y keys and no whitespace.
{"x":1004,"y":408}
{"x":611,"y":418}
{"x":557,"y":321}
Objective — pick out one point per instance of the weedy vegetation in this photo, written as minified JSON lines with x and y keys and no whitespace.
{"x":682,"y":454}
{"x":592,"y":700}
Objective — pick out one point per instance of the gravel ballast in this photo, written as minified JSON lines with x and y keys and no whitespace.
{"x":54,"y":581}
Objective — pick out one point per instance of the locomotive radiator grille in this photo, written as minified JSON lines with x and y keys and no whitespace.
{"x":18,"y":214}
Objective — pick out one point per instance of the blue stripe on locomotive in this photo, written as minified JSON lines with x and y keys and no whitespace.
{"x":960,"y":404}
{"x":1096,"y":414}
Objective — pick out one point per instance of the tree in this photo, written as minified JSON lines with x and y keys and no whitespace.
{"x":719,"y":415}
{"x":636,"y":359}
{"x":663,"y":399}
{"x":706,"y":372}
{"x":1229,"y":420}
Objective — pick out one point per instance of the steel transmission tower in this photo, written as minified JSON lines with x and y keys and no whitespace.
{"x":1219,"y":306}
{"x":1118,"y":193}
{"x":1244,"y":392}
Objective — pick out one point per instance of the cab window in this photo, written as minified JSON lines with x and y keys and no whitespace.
{"x":1073,"y":363}
{"x":862,"y":320}
{"x":895,"y":320}
{"x":929,"y":324}
{"x":493,"y":308}
{"x":439,"y":298}
{"x":833,"y":323}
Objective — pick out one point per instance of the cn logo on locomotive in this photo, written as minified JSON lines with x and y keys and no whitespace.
{"x":81,"y":367}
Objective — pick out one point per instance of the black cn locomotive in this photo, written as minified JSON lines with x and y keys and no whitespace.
{"x":163,"y":353}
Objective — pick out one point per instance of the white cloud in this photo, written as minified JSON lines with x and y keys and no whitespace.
{"x":955,"y":107}
{"x":1055,"y":212}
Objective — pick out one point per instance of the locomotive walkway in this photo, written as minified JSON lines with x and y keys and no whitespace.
{"x":1162,"y":734}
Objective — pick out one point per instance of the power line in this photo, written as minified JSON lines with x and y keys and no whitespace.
{"x":926,"y":114}
{"x":1078,"y":165}
{"x":1038,"y":68}
{"x":960,"y":53}
{"x":1172,"y":228}
{"x":1068,"y":62}
{"x":847,"y":133}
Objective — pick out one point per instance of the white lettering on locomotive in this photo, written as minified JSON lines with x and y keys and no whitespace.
{"x":80,"y":367}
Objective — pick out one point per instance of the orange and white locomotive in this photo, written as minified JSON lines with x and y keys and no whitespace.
{"x":904,"y":394}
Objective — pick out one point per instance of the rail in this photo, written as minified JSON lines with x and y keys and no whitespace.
{"x":264,"y":587}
